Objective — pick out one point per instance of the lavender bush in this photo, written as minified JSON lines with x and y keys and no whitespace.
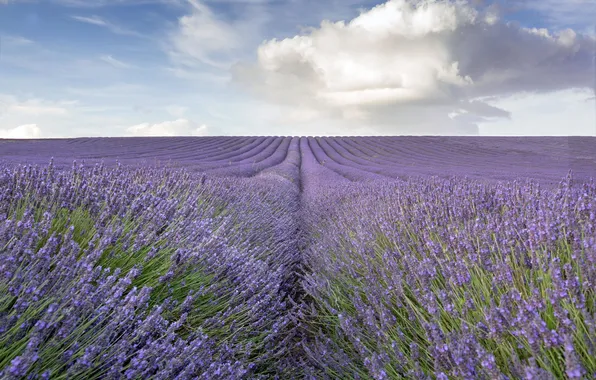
{"x":436,"y":278}
{"x":118,"y":273}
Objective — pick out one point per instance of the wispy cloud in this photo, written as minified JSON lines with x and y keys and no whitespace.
{"x":559,"y":14}
{"x":15,"y":40}
{"x":115,"y":62}
{"x":116,"y":29}
{"x":203,"y":37}
{"x":99,"y":3}
{"x":107,"y":3}
{"x":34,"y":106}
{"x":94,"y":20}
{"x":168,"y":128}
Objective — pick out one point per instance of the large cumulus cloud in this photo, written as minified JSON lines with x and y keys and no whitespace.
{"x":415,"y":67}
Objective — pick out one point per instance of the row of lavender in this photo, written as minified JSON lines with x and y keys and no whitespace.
{"x":490,"y":159}
{"x":145,"y":273}
{"x":451,"y":279}
{"x":219,"y":156}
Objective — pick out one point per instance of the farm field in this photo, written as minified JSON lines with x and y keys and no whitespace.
{"x":545,"y":159}
{"x":290,"y":258}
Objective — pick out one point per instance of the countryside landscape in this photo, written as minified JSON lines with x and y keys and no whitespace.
{"x":297,"y":190}
{"x":298,"y":257}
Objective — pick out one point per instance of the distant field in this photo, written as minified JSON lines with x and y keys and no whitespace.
{"x":546,"y":159}
{"x":290,"y":258}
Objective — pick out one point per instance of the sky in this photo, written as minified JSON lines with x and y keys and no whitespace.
{"x":83,"y":68}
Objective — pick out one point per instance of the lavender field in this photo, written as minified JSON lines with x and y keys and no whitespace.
{"x":298,"y":258}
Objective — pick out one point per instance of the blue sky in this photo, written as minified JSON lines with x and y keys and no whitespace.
{"x":72,"y":68}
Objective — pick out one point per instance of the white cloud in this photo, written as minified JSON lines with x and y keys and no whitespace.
{"x":36,"y":108}
{"x":26,"y":131}
{"x":115,"y":62}
{"x":406,"y":66}
{"x":116,"y":29}
{"x":414,"y":20}
{"x":15,"y":40}
{"x":28,"y":112}
{"x":205,"y":38}
{"x":179,"y":127}
{"x":93,"y":20}
{"x":105,"y":3}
